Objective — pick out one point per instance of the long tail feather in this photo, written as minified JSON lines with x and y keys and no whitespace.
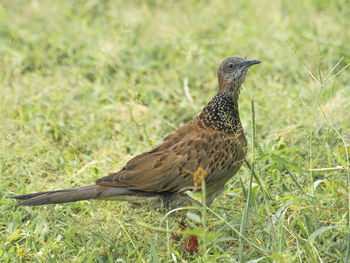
{"x":72,"y":195}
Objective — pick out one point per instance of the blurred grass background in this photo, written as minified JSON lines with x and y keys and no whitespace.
{"x":86,"y":85}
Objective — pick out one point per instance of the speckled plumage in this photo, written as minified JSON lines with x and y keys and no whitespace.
{"x":213,"y":141}
{"x":221,"y":113}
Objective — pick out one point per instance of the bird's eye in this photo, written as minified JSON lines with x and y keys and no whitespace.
{"x":229,"y":66}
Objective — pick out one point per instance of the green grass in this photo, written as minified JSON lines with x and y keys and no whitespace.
{"x":86,"y":85}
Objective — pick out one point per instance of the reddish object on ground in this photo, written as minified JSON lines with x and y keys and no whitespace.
{"x":191,"y":245}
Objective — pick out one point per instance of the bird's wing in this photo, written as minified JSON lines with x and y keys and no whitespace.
{"x":172,"y":166}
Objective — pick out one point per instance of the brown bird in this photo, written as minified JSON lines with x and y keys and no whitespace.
{"x":213,"y":142}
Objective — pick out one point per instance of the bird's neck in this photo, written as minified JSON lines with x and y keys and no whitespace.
{"x":232,"y":89}
{"x":221,"y":113}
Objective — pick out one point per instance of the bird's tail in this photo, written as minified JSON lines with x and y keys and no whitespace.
{"x":72,"y":195}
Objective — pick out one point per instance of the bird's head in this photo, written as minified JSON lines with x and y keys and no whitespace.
{"x":232,"y":72}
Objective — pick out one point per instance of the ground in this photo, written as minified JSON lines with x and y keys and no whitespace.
{"x":86,"y":85}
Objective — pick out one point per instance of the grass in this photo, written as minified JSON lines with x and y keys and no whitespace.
{"x":86,"y":85}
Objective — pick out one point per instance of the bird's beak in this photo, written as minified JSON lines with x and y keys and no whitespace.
{"x":248,"y":63}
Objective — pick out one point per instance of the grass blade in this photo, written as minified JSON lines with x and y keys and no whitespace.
{"x":246,"y":209}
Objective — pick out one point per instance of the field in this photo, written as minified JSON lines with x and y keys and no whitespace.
{"x":86,"y":85}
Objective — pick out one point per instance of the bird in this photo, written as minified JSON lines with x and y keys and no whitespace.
{"x":213,"y":142}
